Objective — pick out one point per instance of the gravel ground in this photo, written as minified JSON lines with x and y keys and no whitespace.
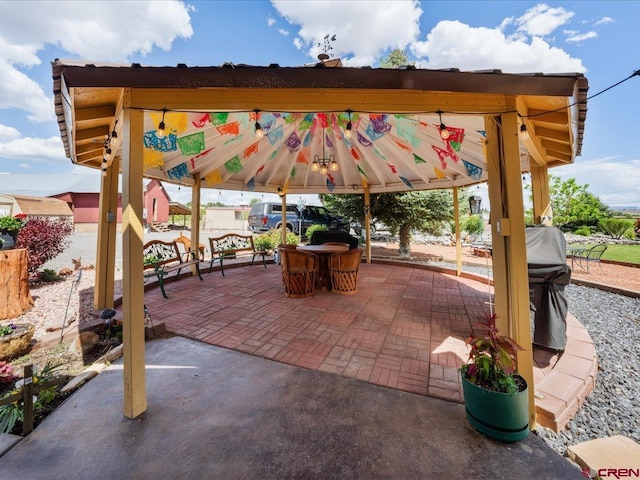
{"x":613,"y":321}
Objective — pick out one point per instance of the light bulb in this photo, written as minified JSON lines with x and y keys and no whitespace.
{"x":114,"y":138}
{"x":524,"y":134}
{"x":444,"y":133}
{"x":161,"y":129}
{"x":333,"y":166}
{"x":347,"y":132}
{"x":259,"y":131}
{"x":323,"y":169}
{"x":315,"y":166}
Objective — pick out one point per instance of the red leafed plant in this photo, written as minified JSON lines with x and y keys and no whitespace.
{"x":6,"y":373}
{"x":493,"y":360}
{"x":44,"y":239}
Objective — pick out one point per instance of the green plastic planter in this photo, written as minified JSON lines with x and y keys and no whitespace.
{"x":500,"y":416}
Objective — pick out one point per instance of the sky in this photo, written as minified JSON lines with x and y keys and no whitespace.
{"x":590,"y":37}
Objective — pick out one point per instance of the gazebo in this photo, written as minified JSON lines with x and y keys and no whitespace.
{"x":316,"y":129}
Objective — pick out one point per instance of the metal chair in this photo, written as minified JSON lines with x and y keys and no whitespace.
{"x":594,"y":254}
{"x":298,"y":272}
{"x":343,"y":270}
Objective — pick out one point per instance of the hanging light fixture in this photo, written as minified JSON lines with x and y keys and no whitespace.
{"x":161,"y":126}
{"x":258,"y":127}
{"x":325,"y":163}
{"x":347,"y":132}
{"x":524,"y":134}
{"x":444,"y":133}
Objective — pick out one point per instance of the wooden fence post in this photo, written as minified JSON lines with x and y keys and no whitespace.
{"x":27,"y":400}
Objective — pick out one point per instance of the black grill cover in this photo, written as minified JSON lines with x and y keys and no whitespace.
{"x":549,"y":276}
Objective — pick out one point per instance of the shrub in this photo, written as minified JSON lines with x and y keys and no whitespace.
{"x":48,"y":276}
{"x":315,"y":228}
{"x":614,"y":227}
{"x":44,"y":239}
{"x":583,"y":231}
{"x":473,"y":224}
{"x":269,"y":241}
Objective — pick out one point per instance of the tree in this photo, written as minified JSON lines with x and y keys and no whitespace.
{"x":44,"y":239}
{"x":395,"y":59}
{"x":573,"y":205}
{"x":424,"y":211}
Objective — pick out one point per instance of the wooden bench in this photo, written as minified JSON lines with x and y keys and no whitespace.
{"x":232,"y":246}
{"x":164,"y":258}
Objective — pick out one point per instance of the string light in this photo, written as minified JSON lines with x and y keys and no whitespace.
{"x":161,"y":126}
{"x":347,"y":132}
{"x":524,"y":134}
{"x":258,"y":127}
{"x":114,"y":138}
{"x":444,"y":133}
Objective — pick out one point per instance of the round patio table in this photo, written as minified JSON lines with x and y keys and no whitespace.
{"x":323,"y":280}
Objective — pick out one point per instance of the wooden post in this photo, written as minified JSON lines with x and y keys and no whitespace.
{"x":107,"y":229}
{"x":510,"y":274}
{"x":540,"y":191}
{"x":456,"y":213}
{"x":367,"y":221}
{"x":195,"y":220}
{"x":135,"y":396}
{"x":27,"y":400}
{"x":283,"y":227}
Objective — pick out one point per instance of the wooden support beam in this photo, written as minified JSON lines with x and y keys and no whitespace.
{"x":89,"y":133}
{"x":551,"y":134}
{"x":367,"y":220}
{"x":135,"y":393}
{"x":107,"y":229}
{"x":540,"y":191}
{"x":560,"y":156}
{"x":456,"y":213}
{"x":560,"y":117}
{"x":511,"y":282}
{"x":95,"y":113}
{"x":556,"y":146}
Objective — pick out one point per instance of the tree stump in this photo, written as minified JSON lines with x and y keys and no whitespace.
{"x":15,"y":297}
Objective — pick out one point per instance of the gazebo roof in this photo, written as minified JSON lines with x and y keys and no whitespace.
{"x":210,"y":114}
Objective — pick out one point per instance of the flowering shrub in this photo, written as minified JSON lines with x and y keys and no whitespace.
{"x":44,"y":239}
{"x":6,"y":373}
{"x":492,"y":359}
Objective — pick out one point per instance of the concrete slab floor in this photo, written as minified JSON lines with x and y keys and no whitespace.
{"x":216,"y":413}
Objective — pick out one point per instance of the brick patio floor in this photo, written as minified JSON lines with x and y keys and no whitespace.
{"x":404,"y":328}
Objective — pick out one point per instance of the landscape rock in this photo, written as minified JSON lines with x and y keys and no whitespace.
{"x":85,"y":342}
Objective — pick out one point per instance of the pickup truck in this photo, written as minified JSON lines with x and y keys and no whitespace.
{"x":265,"y":216}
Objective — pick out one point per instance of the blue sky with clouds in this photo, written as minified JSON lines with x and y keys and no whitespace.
{"x":592,"y":37}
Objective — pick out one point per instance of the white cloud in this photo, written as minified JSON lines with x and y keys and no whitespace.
{"x":575,"y":37}
{"x":271,"y":21}
{"x":604,"y":21}
{"x":387,"y":25}
{"x":615,"y":182}
{"x":91,"y":30}
{"x":8,"y":133}
{"x":33,"y":149}
{"x":542,"y":20}
{"x":283,"y":32}
{"x":454,"y":44}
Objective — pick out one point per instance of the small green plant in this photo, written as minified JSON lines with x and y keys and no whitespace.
{"x":13,"y":412}
{"x":492,"y":360}
{"x":12,"y":224}
{"x":473,"y":224}
{"x":48,"y":276}
{"x":7,"y":329}
{"x":315,"y":228}
{"x":584,"y":231}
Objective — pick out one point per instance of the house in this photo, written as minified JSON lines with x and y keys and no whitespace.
{"x":52,"y":208}
{"x":81,"y":193}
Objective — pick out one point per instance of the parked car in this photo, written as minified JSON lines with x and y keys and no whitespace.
{"x":265,"y":216}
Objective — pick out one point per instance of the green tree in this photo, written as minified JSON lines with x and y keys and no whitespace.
{"x":396,"y":58}
{"x":573,"y":205}
{"x":424,"y":211}
{"x":253,"y":201}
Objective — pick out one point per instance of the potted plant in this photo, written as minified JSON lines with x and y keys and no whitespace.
{"x":9,"y":229}
{"x":495,"y":396}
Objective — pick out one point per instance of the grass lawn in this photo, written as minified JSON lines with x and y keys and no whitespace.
{"x":622,"y":253}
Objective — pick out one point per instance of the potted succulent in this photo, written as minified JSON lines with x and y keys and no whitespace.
{"x":495,"y":396}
